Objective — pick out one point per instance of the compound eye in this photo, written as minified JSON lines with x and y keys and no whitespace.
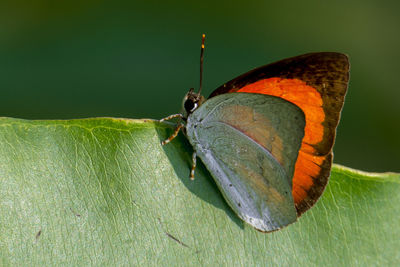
{"x":190,"y":106}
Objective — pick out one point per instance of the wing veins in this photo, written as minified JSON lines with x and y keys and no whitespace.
{"x":252,"y":140}
{"x":214,"y":108}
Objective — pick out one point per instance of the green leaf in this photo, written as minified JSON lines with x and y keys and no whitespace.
{"x":105,"y":192}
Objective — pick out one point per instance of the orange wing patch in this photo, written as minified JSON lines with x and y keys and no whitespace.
{"x":308,"y":164}
{"x":300,"y":94}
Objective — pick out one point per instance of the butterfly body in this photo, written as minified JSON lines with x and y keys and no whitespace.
{"x":266,"y":137}
{"x":251,"y":153}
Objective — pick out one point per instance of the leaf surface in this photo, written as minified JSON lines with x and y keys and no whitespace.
{"x":103,"y":191}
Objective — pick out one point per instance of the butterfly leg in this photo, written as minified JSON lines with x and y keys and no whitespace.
{"x":172,"y":117}
{"x":194,"y":157}
{"x":173,"y":135}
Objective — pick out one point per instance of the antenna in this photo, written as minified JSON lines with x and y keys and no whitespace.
{"x":201,"y":62}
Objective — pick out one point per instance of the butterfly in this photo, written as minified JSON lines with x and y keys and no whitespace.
{"x":266,"y":137}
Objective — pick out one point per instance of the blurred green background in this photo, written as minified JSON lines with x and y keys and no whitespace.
{"x":137,"y":59}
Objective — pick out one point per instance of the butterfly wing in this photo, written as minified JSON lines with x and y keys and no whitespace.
{"x":249,"y":143}
{"x":317,"y":83}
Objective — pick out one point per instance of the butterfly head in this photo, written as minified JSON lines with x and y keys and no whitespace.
{"x":191,"y":102}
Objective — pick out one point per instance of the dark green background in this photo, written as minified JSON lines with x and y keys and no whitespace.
{"x":137,"y":59}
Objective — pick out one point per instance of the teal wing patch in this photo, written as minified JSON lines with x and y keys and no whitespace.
{"x":250,"y":143}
